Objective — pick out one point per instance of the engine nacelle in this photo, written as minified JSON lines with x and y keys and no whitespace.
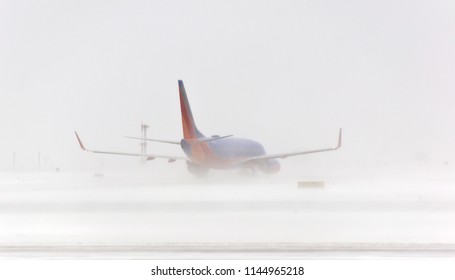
{"x":270,"y":166}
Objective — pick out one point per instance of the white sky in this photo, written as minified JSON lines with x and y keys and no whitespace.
{"x":286,"y":73}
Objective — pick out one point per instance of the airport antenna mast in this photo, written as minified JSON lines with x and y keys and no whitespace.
{"x":143,"y":144}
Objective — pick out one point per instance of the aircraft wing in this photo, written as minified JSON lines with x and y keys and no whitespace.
{"x":148,"y":156}
{"x":285,"y":155}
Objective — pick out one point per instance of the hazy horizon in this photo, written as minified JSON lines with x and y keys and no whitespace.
{"x":287,"y":74}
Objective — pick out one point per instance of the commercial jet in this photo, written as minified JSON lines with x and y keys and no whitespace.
{"x":216,"y":152}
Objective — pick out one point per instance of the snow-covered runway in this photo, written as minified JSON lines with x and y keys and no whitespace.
{"x":79,"y":216}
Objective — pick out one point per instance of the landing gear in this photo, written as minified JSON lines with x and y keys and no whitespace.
{"x":196,"y":169}
{"x":247,"y":172}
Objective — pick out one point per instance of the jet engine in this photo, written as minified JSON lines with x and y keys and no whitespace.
{"x":270,"y":166}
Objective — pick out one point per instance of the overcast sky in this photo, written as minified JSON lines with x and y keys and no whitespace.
{"x":286,"y":73}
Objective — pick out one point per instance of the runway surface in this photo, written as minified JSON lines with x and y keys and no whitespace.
{"x":109,"y":217}
{"x":232,"y":251}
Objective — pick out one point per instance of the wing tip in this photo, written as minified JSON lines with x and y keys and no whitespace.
{"x":80,"y":141}
{"x":339,"y":139}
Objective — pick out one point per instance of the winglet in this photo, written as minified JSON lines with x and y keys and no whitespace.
{"x":339,"y":140}
{"x":80,"y":142}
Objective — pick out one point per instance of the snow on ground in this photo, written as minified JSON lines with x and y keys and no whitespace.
{"x":131,"y":210}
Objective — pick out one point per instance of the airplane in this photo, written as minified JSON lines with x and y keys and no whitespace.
{"x":216,"y":152}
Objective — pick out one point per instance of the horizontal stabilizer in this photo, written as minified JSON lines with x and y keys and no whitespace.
{"x":207,"y":139}
{"x":155,"y":140}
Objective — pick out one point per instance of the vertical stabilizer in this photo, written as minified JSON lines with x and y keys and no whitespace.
{"x":190,"y":130}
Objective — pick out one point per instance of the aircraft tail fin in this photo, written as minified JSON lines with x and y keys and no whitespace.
{"x":190,"y":130}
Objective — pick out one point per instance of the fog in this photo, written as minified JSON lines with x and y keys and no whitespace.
{"x":288,"y":74}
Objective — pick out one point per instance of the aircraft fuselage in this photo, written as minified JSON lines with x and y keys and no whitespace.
{"x":228,"y":153}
